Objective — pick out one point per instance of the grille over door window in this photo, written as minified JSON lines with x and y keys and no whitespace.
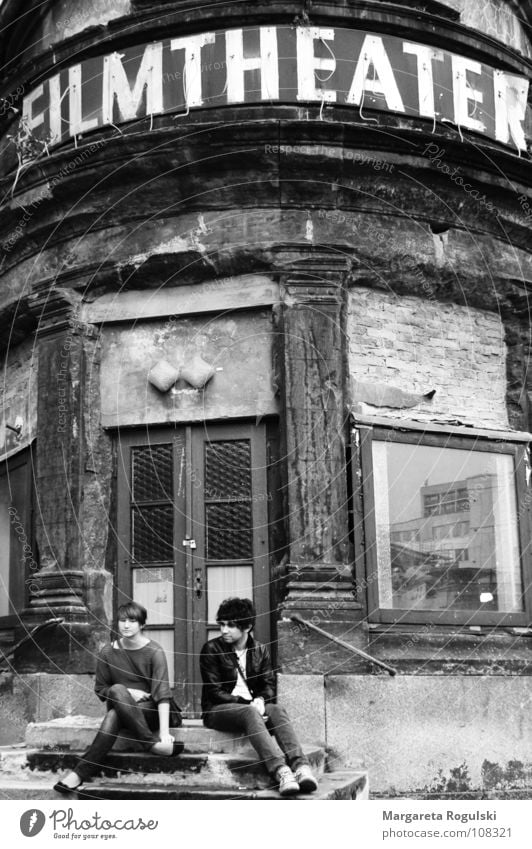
{"x":228,"y":515}
{"x":152,"y":540}
{"x":152,"y":520}
{"x":228,"y":522}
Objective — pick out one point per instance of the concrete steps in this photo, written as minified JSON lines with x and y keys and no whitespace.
{"x":344,"y":785}
{"x":76,"y":733}
{"x":333,"y":786}
{"x":226,"y":770}
{"x":212,"y":765}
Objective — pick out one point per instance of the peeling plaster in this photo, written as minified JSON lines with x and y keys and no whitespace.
{"x":440,"y":244}
{"x":176,"y":245}
{"x":30,"y":196}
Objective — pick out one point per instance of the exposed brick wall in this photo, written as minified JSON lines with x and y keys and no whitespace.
{"x":417,"y":345}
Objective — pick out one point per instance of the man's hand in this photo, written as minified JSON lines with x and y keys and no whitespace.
{"x":258,"y":704}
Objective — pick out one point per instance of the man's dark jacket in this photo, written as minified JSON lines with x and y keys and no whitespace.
{"x":218,"y":664}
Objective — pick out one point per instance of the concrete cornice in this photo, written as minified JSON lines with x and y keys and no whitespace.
{"x":429,"y":21}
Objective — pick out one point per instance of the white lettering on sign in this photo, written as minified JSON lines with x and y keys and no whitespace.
{"x":116,"y":84}
{"x":32,"y":121}
{"x":237,"y":64}
{"x":425,"y":78}
{"x":303,"y":64}
{"x":308,"y":63}
{"x":510,"y":108}
{"x":466,"y":99}
{"x":77,"y":124}
{"x":54,"y":90}
{"x":381,"y":81}
{"x":192,"y":45}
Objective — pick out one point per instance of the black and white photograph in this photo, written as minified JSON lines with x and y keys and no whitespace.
{"x":265,"y":420}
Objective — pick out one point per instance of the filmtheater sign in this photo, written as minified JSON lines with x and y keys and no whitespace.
{"x":280,"y":65}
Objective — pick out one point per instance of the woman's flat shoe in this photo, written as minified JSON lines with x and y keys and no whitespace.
{"x":65,"y":789}
{"x":177,"y":748}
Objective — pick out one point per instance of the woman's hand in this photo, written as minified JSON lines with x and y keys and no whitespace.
{"x":166,"y":738}
{"x":164,"y":715}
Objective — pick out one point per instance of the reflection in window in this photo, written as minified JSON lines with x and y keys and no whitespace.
{"x":5,"y":546}
{"x":446,"y":523}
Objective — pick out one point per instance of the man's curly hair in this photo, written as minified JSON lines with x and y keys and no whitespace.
{"x":237,"y":610}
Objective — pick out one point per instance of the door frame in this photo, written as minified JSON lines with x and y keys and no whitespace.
{"x":189,"y":513}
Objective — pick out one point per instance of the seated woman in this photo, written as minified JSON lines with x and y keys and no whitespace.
{"x":132,"y":677}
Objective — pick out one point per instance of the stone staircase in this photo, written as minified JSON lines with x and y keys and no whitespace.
{"x":212,"y":765}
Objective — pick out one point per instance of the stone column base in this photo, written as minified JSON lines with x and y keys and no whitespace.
{"x":56,"y":593}
{"x":323,"y":596}
{"x":49,"y":696}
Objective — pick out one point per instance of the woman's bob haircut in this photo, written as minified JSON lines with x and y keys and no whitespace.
{"x":132,"y":610}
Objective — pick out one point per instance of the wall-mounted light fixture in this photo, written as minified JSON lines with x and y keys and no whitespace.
{"x":17,"y":427}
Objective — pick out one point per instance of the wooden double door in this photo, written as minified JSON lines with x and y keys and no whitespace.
{"x":192,"y":530}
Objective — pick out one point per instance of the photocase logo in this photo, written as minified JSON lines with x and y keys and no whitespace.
{"x":32,"y":822}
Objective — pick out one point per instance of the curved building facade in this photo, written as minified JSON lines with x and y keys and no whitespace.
{"x":265,"y":316}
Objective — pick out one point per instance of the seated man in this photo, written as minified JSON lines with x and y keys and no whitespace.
{"x":238,"y":690}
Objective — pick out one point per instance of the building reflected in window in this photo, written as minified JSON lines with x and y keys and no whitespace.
{"x":447,"y":534}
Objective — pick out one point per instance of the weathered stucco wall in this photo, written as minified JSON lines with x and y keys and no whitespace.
{"x":495,"y":18}
{"x":239,"y":347}
{"x":66,"y":18}
{"x":418,"y":344}
{"x":420,"y":734}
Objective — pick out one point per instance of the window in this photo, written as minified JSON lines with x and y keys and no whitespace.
{"x":17,"y":562}
{"x":445,"y":501}
{"x":445,"y":526}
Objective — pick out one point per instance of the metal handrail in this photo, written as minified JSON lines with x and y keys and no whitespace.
{"x":40,"y":627}
{"x":295,"y":617}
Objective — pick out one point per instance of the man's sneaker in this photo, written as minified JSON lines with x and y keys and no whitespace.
{"x":306,"y":781}
{"x":288,"y":785}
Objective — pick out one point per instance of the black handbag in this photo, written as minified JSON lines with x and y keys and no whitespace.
{"x":176,"y":717}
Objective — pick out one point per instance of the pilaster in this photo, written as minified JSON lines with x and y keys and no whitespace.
{"x":314,"y":380}
{"x":58,"y":588}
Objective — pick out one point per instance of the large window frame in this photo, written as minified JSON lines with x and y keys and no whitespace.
{"x":366,"y":432}
{"x":17,"y":479}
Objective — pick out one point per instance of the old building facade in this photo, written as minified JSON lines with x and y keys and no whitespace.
{"x":265,"y":331}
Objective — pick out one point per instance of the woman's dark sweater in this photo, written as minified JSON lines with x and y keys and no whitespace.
{"x":151,"y":675}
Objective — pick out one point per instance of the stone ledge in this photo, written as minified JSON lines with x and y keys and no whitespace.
{"x":333,"y":786}
{"x":77,"y":732}
{"x":237,"y":770}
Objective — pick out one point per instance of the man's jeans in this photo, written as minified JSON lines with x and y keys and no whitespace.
{"x":247,"y":720}
{"x":139,"y":718}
